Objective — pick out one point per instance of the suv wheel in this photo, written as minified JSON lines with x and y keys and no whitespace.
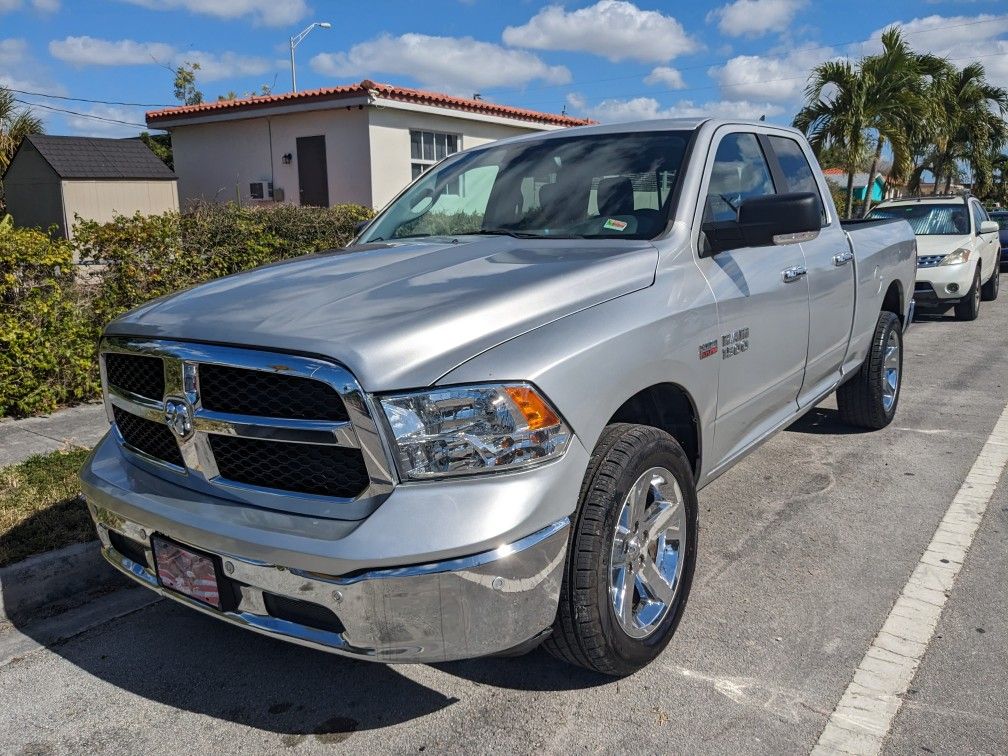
{"x":969,"y":307}
{"x":631,"y":555}
{"x":990,"y":289}
{"x":869,"y":399}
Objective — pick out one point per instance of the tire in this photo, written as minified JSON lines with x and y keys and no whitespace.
{"x":587,"y":630}
{"x":989,"y":292}
{"x":869,"y":399}
{"x":969,"y":307}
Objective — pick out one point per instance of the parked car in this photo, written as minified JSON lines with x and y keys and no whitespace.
{"x":958,"y":250}
{"x":1001,"y":218}
{"x":485,"y":424}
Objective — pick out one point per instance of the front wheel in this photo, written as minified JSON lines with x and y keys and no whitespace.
{"x":969,"y":307}
{"x":990,"y":289}
{"x":632,"y":553}
{"x":869,"y":399}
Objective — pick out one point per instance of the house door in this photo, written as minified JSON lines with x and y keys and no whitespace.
{"x":313,"y":178}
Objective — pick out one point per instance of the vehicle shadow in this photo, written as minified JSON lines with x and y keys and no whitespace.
{"x":823,"y":421}
{"x":168,"y":654}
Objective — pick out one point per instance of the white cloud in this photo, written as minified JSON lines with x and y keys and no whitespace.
{"x":82,"y":125}
{"x":647,"y":108}
{"x":456,"y":64}
{"x":614,"y":29}
{"x":266,"y":12}
{"x":90,"y":51}
{"x":20,"y":70}
{"x":959,"y":38}
{"x":754,"y":18}
{"x":774,"y":78}
{"x":12,"y":51}
{"x":666,"y":76}
{"x":43,"y":6}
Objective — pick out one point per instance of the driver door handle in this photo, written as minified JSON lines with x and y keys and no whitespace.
{"x":791,"y":275}
{"x":843,"y":258}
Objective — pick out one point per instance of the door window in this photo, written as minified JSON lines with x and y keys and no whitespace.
{"x":740,"y":170}
{"x":978,"y":216}
{"x":796,"y":169}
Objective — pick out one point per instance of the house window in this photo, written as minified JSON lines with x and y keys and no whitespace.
{"x":428,"y":147}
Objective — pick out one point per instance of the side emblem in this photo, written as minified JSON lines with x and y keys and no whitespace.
{"x":708,"y":349}
{"x":179,"y":417}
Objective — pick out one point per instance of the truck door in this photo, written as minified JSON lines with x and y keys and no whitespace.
{"x":831,"y":280}
{"x":762,"y":302}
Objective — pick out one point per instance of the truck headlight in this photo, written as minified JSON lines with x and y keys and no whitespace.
{"x":461,"y":430}
{"x":959,"y":256}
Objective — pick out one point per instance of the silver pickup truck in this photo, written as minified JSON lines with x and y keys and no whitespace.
{"x":484,"y":424}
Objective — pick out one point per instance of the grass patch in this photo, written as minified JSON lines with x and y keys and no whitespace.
{"x":41,"y":506}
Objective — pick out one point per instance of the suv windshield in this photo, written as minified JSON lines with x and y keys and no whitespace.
{"x":586,"y":187}
{"x":928,"y":219}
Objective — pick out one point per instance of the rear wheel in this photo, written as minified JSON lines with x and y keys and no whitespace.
{"x":969,"y":307}
{"x":869,"y":399}
{"x":990,"y":289}
{"x":632,"y":553}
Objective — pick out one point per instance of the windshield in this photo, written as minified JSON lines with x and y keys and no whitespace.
{"x":584,"y":187}
{"x":928,"y":220}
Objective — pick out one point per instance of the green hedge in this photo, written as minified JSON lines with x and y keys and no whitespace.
{"x":53,"y":311}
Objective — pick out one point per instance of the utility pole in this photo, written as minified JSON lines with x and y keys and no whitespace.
{"x":295,"y":41}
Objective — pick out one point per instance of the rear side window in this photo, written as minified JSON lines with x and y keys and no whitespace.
{"x":740,"y":171}
{"x":797,"y":171}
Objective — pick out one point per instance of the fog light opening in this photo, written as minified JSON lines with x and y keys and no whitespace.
{"x":952,"y":288}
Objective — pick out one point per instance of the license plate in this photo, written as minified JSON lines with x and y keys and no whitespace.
{"x":187,"y":572}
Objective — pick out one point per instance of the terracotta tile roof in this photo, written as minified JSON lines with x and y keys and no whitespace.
{"x":385,"y":91}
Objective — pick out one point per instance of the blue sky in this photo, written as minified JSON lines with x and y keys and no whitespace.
{"x":608,"y":59}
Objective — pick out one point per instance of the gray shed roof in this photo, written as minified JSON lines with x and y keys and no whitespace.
{"x":93,"y":158}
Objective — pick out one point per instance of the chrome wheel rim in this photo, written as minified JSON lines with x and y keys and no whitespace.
{"x":890,"y":371}
{"x":648,"y":551}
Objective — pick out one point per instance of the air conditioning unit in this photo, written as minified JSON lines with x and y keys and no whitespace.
{"x":261,"y":190}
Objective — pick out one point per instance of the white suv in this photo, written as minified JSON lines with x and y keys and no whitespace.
{"x":958,"y":250}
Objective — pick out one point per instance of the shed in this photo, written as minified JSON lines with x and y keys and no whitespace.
{"x":52,"y":179}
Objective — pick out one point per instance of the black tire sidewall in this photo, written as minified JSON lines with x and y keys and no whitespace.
{"x":633,"y":653}
{"x":892,"y":325}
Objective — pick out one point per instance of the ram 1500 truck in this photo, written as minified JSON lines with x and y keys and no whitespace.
{"x":484,"y":424}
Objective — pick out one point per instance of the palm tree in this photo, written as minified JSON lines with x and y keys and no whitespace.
{"x":881,"y":94}
{"x":15,"y":124}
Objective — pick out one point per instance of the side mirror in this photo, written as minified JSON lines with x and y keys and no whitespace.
{"x":989,"y":227}
{"x":767,"y":220}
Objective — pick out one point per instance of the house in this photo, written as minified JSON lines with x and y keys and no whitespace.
{"x":53,"y":179}
{"x":838,"y":176}
{"x":357,"y":143}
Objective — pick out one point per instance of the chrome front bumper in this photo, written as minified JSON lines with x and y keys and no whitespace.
{"x":455,"y":609}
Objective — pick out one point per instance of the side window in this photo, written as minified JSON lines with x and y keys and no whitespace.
{"x":797,"y":171}
{"x":978,"y":216}
{"x":740,"y":170}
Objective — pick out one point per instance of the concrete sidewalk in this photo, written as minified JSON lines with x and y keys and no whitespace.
{"x":83,"y":425}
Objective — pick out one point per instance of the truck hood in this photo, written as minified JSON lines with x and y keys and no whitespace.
{"x":400,"y":315}
{"x":934,"y":244}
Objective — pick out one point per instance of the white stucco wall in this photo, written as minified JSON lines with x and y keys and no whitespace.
{"x":215,"y":162}
{"x":103,"y":200}
{"x":390,"y":142}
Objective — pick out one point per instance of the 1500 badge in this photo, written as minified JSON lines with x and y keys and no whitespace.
{"x":734,"y":343}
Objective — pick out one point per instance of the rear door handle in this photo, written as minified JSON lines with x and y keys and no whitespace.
{"x":843,"y":258}
{"x":793,"y":274}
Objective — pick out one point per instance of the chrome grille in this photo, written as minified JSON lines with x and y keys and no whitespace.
{"x":153,"y":439}
{"x":136,"y":373}
{"x":255,"y":392}
{"x":217,"y":418}
{"x":308,"y":468}
{"x":929,"y":261}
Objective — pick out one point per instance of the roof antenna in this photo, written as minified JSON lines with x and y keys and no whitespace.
{"x":477,"y":96}
{"x":763,"y":117}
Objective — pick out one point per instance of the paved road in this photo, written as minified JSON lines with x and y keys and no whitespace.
{"x":805,"y":547}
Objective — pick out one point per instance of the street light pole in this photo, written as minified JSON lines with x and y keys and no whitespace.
{"x":295,"y":41}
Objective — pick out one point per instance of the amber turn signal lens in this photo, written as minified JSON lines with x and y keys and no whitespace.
{"x":537,"y":413}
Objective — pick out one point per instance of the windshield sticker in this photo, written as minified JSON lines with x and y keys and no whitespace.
{"x":614,"y":225}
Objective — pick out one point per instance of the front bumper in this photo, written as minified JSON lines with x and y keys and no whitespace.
{"x":429,"y":576}
{"x":933,"y":284}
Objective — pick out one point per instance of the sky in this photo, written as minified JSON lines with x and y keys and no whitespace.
{"x":108,"y":61}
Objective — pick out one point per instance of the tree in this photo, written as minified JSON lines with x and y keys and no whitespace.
{"x":851,"y":106}
{"x":186,"y":91}
{"x":160,"y":145}
{"x":15,"y":124}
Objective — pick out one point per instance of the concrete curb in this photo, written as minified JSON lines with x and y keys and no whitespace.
{"x":48,"y":582}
